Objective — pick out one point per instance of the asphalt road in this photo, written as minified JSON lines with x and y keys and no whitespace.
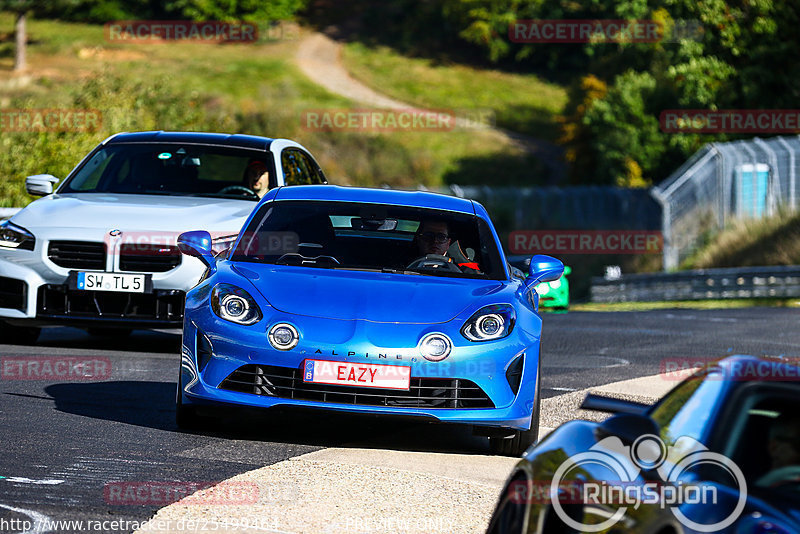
{"x":64,"y":441}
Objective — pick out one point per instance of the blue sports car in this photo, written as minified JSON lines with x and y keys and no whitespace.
{"x":370,"y":301}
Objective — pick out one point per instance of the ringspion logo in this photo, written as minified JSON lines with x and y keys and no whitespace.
{"x":671,"y":489}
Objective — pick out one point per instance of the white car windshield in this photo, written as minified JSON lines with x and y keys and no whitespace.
{"x":172,"y":169}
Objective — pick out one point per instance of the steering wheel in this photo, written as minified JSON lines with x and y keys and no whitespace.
{"x":784,"y":475}
{"x":434,"y":262}
{"x":241,"y":188}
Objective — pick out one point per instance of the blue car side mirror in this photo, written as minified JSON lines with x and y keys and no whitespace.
{"x":198,"y":244}
{"x":543,"y":269}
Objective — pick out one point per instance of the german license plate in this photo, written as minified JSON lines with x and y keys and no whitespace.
{"x":126,"y":283}
{"x":357,"y":374}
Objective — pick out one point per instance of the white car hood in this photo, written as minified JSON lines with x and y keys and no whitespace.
{"x":94,"y":214}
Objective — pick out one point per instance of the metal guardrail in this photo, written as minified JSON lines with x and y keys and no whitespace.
{"x":702,"y":284}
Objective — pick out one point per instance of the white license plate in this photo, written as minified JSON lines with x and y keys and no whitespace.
{"x":357,"y":374}
{"x":126,"y":283}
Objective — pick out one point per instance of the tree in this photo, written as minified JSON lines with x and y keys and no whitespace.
{"x":21,"y":9}
{"x":236,"y":10}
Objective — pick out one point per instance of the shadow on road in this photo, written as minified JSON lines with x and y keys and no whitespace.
{"x":138,"y":341}
{"x":152,"y":405}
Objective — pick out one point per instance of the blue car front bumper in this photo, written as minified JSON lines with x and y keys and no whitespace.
{"x":506,"y":399}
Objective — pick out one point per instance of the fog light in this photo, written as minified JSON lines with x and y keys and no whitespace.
{"x":435,"y":347}
{"x":283,"y":336}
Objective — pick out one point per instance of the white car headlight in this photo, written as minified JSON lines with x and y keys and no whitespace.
{"x":13,"y":236}
{"x":234,"y":304}
{"x":490,"y":322}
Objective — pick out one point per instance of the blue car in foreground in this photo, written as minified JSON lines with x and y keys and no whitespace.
{"x":718,"y":453}
{"x":369,"y":301}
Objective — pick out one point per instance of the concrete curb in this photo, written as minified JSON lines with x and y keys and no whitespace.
{"x":344,"y":490}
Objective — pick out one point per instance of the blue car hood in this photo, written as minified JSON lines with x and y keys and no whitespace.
{"x":370,"y":296}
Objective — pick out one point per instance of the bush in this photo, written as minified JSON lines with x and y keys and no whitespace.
{"x":137,"y":106}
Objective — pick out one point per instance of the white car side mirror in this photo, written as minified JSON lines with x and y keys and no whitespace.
{"x":40,"y":185}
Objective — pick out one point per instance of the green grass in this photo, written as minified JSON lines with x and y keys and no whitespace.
{"x":746,"y":243}
{"x":684,"y":304}
{"x":236,"y":88}
{"x":521,"y":102}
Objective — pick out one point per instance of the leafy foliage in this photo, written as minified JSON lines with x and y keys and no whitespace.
{"x":735,"y":54}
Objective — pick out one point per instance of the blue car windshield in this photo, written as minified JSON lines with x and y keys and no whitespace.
{"x":172,"y":169}
{"x":373,"y":237}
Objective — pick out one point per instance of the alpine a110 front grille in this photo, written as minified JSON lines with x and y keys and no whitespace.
{"x":287,"y":383}
{"x":78,"y":255}
{"x":148,"y":258}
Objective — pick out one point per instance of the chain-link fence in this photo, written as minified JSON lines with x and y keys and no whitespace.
{"x":741,"y":179}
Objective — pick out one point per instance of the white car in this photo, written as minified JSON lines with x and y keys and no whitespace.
{"x":100,"y":251}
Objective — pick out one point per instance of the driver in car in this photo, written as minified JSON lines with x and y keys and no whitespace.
{"x":256,"y":176}
{"x":433,"y":237}
{"x":784,"y":451}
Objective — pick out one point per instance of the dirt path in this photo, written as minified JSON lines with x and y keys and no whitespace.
{"x":320,"y":58}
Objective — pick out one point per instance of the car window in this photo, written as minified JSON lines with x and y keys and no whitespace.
{"x":361,"y":236}
{"x":168,"y":169}
{"x":764,"y":439}
{"x":92,"y":171}
{"x":688,"y":409}
{"x":299,"y":169}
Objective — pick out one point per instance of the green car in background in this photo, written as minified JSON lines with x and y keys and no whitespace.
{"x":553,"y":294}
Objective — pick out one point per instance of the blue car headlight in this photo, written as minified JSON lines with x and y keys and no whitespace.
{"x":13,"y":236}
{"x":489,"y":323}
{"x":234,"y":304}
